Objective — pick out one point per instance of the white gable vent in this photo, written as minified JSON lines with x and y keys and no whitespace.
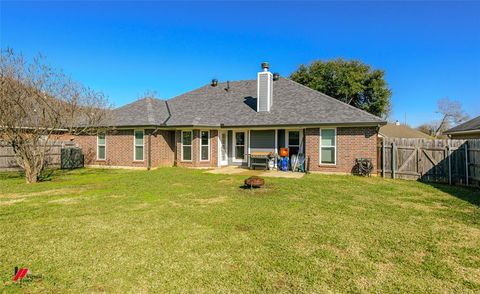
{"x":264,"y":89}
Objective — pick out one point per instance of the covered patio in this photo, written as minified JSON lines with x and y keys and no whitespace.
{"x":238,"y":146}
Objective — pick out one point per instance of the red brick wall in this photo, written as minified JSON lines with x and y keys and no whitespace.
{"x":352,"y":143}
{"x":120,"y":149}
{"x":213,"y":162}
{"x":162,"y":146}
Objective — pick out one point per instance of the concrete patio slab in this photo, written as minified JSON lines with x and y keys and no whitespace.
{"x":241,"y":171}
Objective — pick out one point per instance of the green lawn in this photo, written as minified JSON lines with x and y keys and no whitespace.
{"x":180,"y":230}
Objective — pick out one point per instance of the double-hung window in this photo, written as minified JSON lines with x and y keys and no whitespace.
{"x":328,"y":148}
{"x":239,"y":145}
{"x":204,"y":145}
{"x":186,"y":145}
{"x":101,"y":147}
{"x":139,"y":145}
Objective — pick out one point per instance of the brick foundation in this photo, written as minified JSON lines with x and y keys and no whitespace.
{"x":352,"y":143}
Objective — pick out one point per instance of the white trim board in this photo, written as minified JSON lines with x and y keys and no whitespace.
{"x":320,"y":147}
{"x":191,"y":146}
{"x":135,"y":145}
{"x":234,"y":145}
{"x":200,"y":145}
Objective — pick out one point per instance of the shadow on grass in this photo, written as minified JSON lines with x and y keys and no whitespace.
{"x":11,"y":175}
{"x":245,"y":187}
{"x":51,"y":173}
{"x":469,"y":194}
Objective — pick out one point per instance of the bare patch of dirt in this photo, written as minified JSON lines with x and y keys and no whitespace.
{"x":226,"y":181}
{"x":215,"y":200}
{"x":43,"y":193}
{"x":306,"y":248}
{"x":116,"y":196}
{"x":65,"y":201}
{"x":11,"y":202}
{"x":420,"y":206}
{"x":176,"y":204}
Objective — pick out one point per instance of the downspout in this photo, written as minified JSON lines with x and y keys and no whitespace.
{"x":149,"y":147}
{"x":306,"y":163}
{"x":149,"y":160}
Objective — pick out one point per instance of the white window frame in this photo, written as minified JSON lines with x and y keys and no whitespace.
{"x":300,"y":139}
{"x":208,"y":144}
{"x":334,"y":147}
{"x":191,"y":145}
{"x":234,"y":147}
{"x":220,"y":144}
{"x":135,"y":145}
{"x":104,"y":145}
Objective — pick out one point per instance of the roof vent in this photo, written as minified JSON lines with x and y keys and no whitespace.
{"x":214,"y":82}
{"x":276,"y":76}
{"x":264,"y":89}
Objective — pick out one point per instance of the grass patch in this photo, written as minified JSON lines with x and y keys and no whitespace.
{"x":180,"y":230}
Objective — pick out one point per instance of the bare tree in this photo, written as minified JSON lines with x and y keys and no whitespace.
{"x":452,"y":114}
{"x":427,"y":128}
{"x":38,"y":104}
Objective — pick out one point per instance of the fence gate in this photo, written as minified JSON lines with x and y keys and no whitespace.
{"x":445,"y":161}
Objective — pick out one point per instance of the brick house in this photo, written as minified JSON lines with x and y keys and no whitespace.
{"x":467,"y":130}
{"x":220,"y":124}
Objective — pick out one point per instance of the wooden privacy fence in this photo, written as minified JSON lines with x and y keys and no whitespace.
{"x":445,"y":161}
{"x":8,"y":162}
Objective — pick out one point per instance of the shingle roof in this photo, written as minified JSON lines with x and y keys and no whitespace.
{"x":143,"y":112}
{"x":293,"y":104}
{"x":401,"y":131}
{"x":471,"y":125}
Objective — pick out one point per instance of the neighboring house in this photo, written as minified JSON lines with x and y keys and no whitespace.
{"x":468,"y":130}
{"x":219,"y":124}
{"x":397,"y":130}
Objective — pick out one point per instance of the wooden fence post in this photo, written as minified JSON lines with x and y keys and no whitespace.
{"x":466,"y":163}
{"x":449,"y":153}
{"x":394,"y":161}
{"x":383,"y":158}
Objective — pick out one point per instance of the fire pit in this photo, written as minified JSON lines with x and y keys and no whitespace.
{"x":254,"y":182}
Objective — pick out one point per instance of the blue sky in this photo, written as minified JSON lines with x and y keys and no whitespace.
{"x":429,"y":50}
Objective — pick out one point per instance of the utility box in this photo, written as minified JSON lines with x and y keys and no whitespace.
{"x":71,"y":158}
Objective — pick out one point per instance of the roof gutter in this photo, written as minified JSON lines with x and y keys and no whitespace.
{"x":224,"y":126}
{"x":362,"y":124}
{"x":462,"y":132}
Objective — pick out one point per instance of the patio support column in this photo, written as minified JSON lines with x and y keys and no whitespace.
{"x":276,"y":147}
{"x":248,"y":149}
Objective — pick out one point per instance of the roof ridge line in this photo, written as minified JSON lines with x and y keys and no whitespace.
{"x":150,"y":117}
{"x":206,"y":85}
{"x":137,"y":100}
